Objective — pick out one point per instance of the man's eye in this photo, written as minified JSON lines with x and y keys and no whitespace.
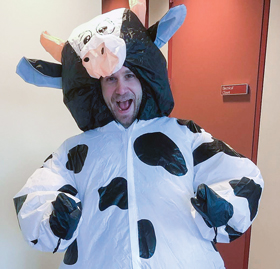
{"x":130,"y":75}
{"x":110,"y":79}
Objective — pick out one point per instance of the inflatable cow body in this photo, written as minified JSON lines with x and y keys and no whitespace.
{"x":157,"y":194}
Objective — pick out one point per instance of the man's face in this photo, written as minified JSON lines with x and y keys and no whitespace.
{"x":122,"y":93}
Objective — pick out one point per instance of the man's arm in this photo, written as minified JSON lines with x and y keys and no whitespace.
{"x":227,"y":187}
{"x":48,"y":207}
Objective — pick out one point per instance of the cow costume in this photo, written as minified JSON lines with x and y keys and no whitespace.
{"x":158,"y":194}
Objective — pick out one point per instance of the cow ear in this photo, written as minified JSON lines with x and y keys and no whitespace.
{"x":40,"y":73}
{"x":164,"y":29}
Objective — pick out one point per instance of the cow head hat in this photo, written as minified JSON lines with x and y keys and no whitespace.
{"x":100,"y":48}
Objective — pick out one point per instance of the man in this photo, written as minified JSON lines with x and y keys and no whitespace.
{"x":122,"y":92}
{"x":137,"y":189}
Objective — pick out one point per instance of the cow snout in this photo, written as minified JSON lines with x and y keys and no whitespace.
{"x":100,"y":61}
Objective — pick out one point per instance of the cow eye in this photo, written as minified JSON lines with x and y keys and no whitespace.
{"x":106,"y":27}
{"x":102,"y":29}
{"x":84,"y":39}
{"x":87,"y":39}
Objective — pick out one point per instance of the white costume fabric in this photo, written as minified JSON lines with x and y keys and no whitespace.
{"x":135,"y":188}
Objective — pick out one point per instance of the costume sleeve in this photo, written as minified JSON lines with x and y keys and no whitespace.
{"x":48,"y":206}
{"x":227,"y":188}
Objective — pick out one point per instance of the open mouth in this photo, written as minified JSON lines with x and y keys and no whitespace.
{"x":124,"y":105}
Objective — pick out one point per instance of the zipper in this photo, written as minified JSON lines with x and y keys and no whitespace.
{"x":132,"y":201}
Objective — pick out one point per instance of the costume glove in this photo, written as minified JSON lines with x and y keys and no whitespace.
{"x":65,"y":217}
{"x":215,"y":210}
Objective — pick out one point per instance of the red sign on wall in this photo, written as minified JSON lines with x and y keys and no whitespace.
{"x":235,"y":89}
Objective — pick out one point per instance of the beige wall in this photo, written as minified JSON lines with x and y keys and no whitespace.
{"x":34,"y":121}
{"x":265,"y":248}
{"x":157,"y":9}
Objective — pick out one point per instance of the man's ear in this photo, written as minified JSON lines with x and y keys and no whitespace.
{"x":164,"y":29}
{"x":40,"y":73}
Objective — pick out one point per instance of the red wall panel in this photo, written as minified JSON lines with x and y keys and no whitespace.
{"x":108,"y":5}
{"x":220,"y":43}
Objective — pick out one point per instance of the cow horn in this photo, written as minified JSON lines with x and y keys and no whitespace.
{"x":139,"y":8}
{"x":52,"y":45}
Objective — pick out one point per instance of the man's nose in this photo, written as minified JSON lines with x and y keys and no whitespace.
{"x":121,"y":87}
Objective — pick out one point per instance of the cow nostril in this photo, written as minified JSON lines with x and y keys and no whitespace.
{"x":102,"y":51}
{"x":86,"y":59}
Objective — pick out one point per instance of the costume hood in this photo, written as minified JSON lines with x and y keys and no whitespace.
{"x":101,"y":47}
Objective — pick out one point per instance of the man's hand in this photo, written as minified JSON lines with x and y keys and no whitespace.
{"x":215,"y":210}
{"x":65,"y":216}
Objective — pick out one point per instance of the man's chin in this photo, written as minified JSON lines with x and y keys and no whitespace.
{"x":125,"y":122}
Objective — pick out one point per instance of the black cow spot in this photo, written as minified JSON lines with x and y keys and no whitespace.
{"x":248,"y":189}
{"x":68,"y":189}
{"x":191,"y":125}
{"x":157,"y":149}
{"x":114,"y":194}
{"x":48,"y":158}
{"x":232,"y":233}
{"x":207,"y":150}
{"x":71,"y":254}
{"x":76,"y":158}
{"x":147,"y":239}
{"x":214,"y":246}
{"x":34,"y":241}
{"x":18,"y":202}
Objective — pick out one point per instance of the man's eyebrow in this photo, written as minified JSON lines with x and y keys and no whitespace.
{"x":128,"y":72}
{"x":107,"y":76}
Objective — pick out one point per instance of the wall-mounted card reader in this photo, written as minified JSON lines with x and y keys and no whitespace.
{"x":235,"y":89}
